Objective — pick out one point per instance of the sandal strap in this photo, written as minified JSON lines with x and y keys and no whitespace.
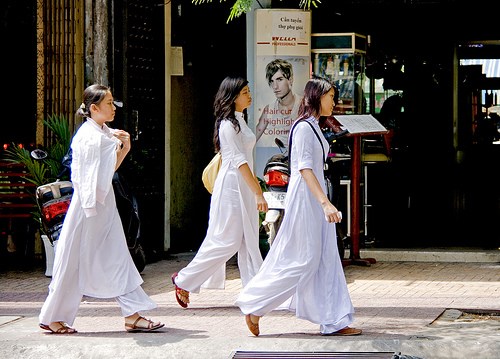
{"x":182,"y":293}
{"x":150,"y":323}
{"x":64,"y":329}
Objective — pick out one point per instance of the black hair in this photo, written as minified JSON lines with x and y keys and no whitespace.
{"x":311,"y":102}
{"x":93,"y":94}
{"x":224,"y":106}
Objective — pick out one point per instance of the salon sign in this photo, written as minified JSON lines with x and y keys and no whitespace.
{"x":282,"y":41}
{"x":283,"y":32}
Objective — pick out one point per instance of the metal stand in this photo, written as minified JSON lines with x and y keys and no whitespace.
{"x":369,"y":160}
{"x":354,"y":257}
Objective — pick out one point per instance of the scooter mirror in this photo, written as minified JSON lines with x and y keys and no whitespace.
{"x":279,"y":143}
{"x":38,"y":154}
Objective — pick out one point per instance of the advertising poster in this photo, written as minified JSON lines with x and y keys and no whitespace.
{"x":282,"y":68}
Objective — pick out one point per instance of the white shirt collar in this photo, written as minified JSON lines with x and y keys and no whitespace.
{"x":239,"y":115}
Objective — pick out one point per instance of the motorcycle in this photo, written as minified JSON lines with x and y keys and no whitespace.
{"x":54,"y":199}
{"x":128,"y":208}
{"x":276,"y":177}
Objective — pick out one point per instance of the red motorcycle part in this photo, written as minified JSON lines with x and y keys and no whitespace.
{"x":276,"y":179}
{"x":55,"y":209}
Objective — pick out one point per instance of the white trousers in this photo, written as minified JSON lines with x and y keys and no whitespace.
{"x":62,"y":305}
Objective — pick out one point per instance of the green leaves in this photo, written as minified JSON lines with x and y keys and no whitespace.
{"x":40,"y":172}
{"x":243,"y":6}
{"x":306,"y":4}
{"x":59,"y":128}
{"x":46,"y":170}
{"x":240,"y":7}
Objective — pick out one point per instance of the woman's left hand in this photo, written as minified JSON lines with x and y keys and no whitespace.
{"x":331,"y":213}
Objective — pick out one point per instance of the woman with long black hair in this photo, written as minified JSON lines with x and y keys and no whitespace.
{"x":302,"y":271}
{"x":237,"y":198}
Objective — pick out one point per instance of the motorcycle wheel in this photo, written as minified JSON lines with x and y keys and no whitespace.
{"x":139,"y":257}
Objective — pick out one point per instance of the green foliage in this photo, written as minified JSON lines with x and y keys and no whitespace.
{"x":46,"y":170}
{"x":306,"y":4}
{"x":37,"y":170}
{"x":59,"y":127}
{"x":243,"y":6}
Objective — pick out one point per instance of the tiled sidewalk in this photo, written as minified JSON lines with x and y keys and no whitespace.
{"x":397,"y":304}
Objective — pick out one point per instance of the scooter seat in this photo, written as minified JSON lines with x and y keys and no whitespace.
{"x":277,"y":167}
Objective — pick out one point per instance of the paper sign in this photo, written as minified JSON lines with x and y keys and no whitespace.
{"x":360,"y":123}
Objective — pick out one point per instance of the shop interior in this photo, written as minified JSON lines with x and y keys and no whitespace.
{"x":439,"y":166}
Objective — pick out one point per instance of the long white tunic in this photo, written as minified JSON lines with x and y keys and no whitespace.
{"x":233,"y":224}
{"x":303,"y":268}
{"x":92,"y":256}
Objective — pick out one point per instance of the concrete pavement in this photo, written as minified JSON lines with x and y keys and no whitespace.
{"x":435,"y":309}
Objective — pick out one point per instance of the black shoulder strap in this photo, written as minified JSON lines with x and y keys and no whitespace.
{"x":290,"y":140}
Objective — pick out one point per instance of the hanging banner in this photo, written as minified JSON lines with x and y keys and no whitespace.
{"x":282,"y":68}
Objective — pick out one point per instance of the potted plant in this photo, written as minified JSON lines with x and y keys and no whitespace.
{"x":48,"y":169}
{"x":41,"y":170}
